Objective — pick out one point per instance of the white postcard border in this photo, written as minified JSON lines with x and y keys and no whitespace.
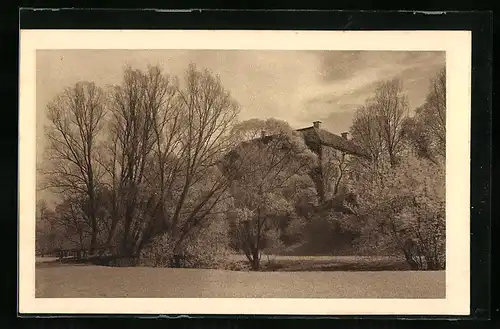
{"x":457,"y":45}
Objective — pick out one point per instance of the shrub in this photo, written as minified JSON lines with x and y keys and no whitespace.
{"x":405,"y":211}
{"x":159,"y":253}
{"x":208,"y":247}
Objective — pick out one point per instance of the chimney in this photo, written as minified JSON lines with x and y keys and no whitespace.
{"x":344,"y":135}
{"x":317,"y":124}
{"x":263,"y":133}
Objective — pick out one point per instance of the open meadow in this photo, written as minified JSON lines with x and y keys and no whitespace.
{"x":292,"y":280}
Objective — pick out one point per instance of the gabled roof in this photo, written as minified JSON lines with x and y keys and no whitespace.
{"x":314,"y":136}
{"x":326,"y":138}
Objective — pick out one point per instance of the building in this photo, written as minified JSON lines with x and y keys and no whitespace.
{"x":324,"y":144}
{"x":318,"y":139}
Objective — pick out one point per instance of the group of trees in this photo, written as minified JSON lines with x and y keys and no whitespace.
{"x":140,"y":159}
{"x":160,"y":167}
{"x":401,"y":192}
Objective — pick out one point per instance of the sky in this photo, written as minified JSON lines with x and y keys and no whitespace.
{"x":297,"y":86}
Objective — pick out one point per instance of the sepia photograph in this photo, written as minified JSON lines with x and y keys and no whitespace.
{"x":233,"y":174}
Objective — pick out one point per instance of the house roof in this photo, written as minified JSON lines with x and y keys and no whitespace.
{"x":313,"y":135}
{"x":326,"y":138}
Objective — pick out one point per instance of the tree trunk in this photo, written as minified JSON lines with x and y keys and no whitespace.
{"x":80,"y":238}
{"x":93,"y":220}
{"x":411,"y":262}
{"x":93,"y":239}
{"x":320,"y":186}
{"x":125,"y":245}
{"x":177,"y":256}
{"x":255,"y":264}
{"x":114,"y":223}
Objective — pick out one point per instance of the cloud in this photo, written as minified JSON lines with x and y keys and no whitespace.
{"x":342,"y":65}
{"x":348,"y":79}
{"x":296,"y":86}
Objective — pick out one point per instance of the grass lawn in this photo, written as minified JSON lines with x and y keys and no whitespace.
{"x":323,"y":263}
{"x":81,"y":281}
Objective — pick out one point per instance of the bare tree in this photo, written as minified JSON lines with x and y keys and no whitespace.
{"x":425,"y":132}
{"x":377,"y":126}
{"x":432,"y":115}
{"x":168,"y":119}
{"x":210,"y":112}
{"x":365,"y":132}
{"x":168,"y":140}
{"x":400,"y":194}
{"x":391,"y":105}
{"x":76,"y":117}
{"x":133,"y":139}
{"x":74,"y":226}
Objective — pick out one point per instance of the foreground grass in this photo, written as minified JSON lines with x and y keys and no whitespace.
{"x":96,"y":281}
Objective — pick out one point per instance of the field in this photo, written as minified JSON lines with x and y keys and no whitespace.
{"x":291,"y":280}
{"x":324,"y":263}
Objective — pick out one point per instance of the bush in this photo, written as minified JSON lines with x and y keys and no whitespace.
{"x":206,"y":252}
{"x":159,"y":253}
{"x":207,"y":248}
{"x":403,"y":209}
